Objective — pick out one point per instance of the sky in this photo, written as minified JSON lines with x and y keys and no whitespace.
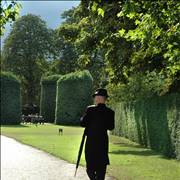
{"x":50,"y":11}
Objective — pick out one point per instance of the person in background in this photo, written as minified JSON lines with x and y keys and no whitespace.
{"x":97,"y":120}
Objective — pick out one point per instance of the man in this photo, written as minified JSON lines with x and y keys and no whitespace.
{"x":97,"y":120}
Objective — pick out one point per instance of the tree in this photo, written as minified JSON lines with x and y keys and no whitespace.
{"x":77,"y":32}
{"x":25,"y":51}
{"x":8,"y":12}
{"x":116,"y":40}
{"x":153,"y":35}
{"x":66,"y":56}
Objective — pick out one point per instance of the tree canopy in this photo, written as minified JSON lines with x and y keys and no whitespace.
{"x":124,"y":39}
{"x":25,"y":50}
{"x":130,"y":47}
{"x":151,"y":28}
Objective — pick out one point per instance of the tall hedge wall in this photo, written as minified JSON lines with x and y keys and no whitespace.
{"x":153,"y":122}
{"x":74,"y":93}
{"x":48,"y":97}
{"x":10,"y":99}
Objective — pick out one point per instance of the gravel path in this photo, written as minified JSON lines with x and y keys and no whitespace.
{"x":22,"y":162}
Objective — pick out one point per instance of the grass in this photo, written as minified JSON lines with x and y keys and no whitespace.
{"x":129,"y":161}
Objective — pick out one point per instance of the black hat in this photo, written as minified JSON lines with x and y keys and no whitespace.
{"x":100,"y":92}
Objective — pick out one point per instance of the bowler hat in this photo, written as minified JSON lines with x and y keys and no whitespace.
{"x":101,"y":92}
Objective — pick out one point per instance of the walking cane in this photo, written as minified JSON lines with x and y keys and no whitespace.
{"x":80,"y":152}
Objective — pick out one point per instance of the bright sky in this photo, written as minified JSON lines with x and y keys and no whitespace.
{"x":50,"y":11}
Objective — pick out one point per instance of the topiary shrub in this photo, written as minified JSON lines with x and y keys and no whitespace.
{"x":10,"y":99}
{"x":48,"y":97}
{"x":74,"y":93}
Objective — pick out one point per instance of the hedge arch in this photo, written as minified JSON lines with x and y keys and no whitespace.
{"x":74,"y":93}
{"x":10,"y":99}
{"x":48,"y":97}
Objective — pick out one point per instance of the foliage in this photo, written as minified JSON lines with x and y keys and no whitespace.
{"x":156,"y":35}
{"x":150,"y":29}
{"x":120,"y":41}
{"x":25,"y":51}
{"x":66,"y":56}
{"x":8,"y":76}
{"x":48,"y":97}
{"x":77,"y":32}
{"x":10,"y":99}
{"x":139,"y":86}
{"x":153,"y":122}
{"x":74,"y":94}
{"x":8,"y":12}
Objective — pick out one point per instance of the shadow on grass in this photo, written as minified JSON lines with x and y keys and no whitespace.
{"x":128,"y":145}
{"x":15,"y":126}
{"x":139,"y":153}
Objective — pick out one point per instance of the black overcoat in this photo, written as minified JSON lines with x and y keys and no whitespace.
{"x":97,"y":119}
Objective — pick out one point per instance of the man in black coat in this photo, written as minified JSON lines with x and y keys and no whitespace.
{"x":97,"y":119}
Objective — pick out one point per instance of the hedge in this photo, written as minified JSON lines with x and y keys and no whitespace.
{"x":48,"y":97}
{"x":10,"y":99}
{"x":74,"y":93}
{"x":153,"y":122}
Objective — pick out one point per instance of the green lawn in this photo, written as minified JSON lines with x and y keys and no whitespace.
{"x":129,"y":161}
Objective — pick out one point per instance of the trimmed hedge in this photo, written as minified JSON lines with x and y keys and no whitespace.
{"x":74,"y":93}
{"x":10,"y":99}
{"x":153,"y":122}
{"x":48,"y":97}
